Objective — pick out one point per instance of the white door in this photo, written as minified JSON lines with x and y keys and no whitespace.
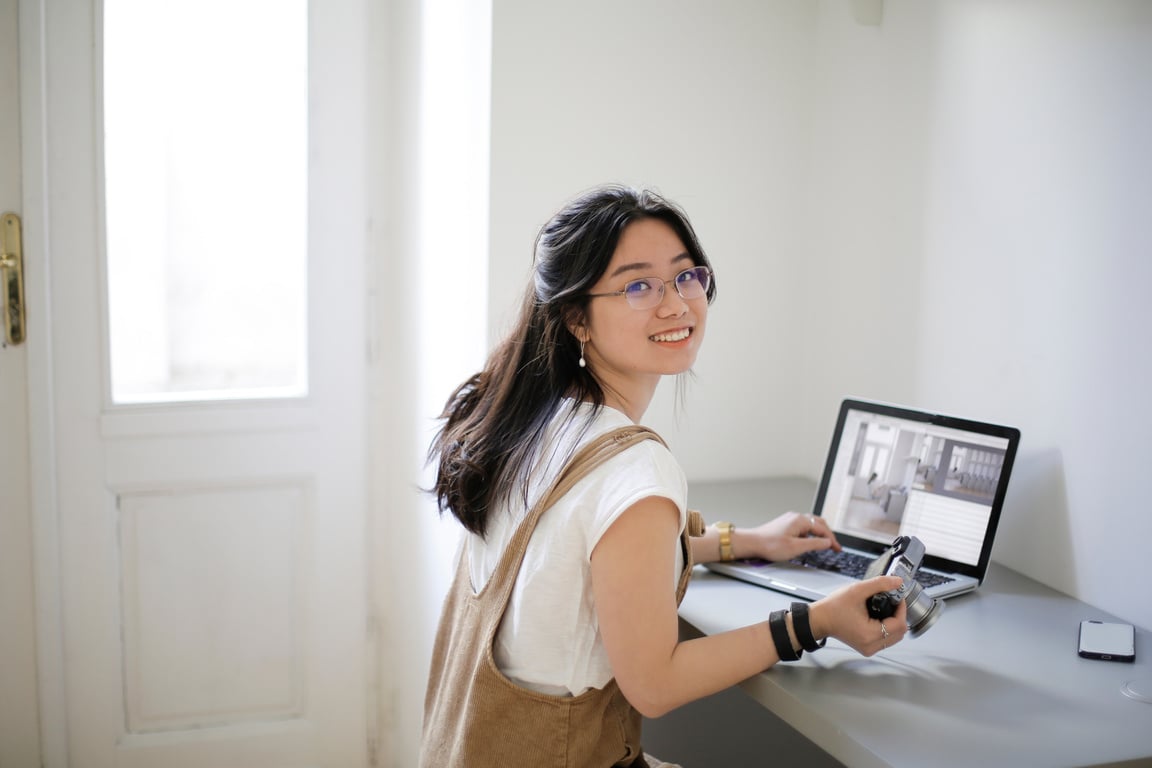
{"x":202,"y":563}
{"x":18,"y":711}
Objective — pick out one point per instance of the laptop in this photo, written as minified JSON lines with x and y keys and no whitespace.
{"x":897,"y":471}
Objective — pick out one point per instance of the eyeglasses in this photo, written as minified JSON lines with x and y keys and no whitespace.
{"x":647,"y":292}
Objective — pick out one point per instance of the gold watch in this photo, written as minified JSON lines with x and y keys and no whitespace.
{"x":725,"y":541}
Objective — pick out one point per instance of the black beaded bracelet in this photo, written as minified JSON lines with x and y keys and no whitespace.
{"x":779,"y":628}
{"x":803,"y":628}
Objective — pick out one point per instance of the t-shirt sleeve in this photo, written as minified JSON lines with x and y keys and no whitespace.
{"x":644,"y":470}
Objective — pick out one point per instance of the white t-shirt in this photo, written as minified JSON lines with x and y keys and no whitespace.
{"x":549,"y":640}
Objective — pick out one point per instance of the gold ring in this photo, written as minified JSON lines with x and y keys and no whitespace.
{"x":884,"y":633}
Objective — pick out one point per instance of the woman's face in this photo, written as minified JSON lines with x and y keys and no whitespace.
{"x":626,"y":347}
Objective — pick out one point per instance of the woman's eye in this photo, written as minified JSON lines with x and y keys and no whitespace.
{"x":637,"y":287}
{"x":687,"y":277}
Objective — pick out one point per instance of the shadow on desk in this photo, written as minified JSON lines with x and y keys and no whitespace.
{"x":730,"y":728}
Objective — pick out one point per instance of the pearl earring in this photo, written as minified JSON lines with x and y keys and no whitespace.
{"x":582,"y":361}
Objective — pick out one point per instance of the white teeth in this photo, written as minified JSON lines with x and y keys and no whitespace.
{"x":675,"y":336}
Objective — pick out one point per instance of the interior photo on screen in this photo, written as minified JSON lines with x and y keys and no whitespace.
{"x":918,"y":479}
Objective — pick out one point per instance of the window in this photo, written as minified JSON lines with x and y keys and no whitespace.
{"x":205,"y":181}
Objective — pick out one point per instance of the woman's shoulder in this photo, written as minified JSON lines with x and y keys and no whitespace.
{"x":642,"y":470}
{"x":647,"y":462}
{"x":649,"y":459}
{"x":582,"y":423}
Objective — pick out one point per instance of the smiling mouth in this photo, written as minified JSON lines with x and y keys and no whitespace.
{"x":679,"y":335}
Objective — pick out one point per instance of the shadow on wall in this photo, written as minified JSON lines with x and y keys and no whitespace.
{"x":1035,"y":533}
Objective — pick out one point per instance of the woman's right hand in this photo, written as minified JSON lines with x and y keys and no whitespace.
{"x":844,"y":616}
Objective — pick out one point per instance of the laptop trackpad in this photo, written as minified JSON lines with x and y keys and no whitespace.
{"x":810,"y":583}
{"x":823,"y":582}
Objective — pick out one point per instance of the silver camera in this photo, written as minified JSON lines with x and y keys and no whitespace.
{"x":903,"y":559}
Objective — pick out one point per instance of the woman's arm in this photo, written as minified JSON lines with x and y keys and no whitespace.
{"x":633,"y":579}
{"x":782,"y":538}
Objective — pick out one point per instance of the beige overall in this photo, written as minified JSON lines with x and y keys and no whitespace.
{"x":475,"y":717}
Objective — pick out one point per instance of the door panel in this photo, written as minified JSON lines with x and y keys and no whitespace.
{"x":211,"y":579}
{"x":212,"y":630}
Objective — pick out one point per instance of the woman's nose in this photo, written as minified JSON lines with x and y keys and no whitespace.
{"x":672,"y":304}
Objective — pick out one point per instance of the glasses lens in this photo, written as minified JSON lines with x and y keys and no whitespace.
{"x":693,"y":283}
{"x":644,"y":293}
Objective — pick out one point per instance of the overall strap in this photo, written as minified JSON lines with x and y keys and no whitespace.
{"x":586,"y":459}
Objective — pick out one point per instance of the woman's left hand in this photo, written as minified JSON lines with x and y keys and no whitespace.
{"x":783,"y":538}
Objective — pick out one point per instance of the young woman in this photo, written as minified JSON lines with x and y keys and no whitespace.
{"x":569,"y":615}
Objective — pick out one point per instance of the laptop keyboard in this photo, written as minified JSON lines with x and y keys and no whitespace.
{"x":848,"y":563}
{"x":854,"y":565}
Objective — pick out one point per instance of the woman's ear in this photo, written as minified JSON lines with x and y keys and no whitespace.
{"x":574,"y":320}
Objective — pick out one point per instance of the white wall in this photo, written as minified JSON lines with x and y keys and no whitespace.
{"x":1036,"y":275}
{"x":705,"y":102}
{"x":428,"y":227}
{"x":861,"y":255}
{"x":947,"y":210}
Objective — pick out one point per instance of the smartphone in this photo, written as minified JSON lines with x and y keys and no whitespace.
{"x":1107,"y":641}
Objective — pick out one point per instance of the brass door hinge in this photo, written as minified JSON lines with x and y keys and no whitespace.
{"x":12,"y":278}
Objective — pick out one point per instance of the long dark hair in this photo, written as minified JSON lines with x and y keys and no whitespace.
{"x":494,"y":421}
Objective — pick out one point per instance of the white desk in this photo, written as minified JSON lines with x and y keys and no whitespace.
{"x":996,"y":681}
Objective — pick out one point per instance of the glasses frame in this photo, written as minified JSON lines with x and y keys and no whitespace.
{"x":660,"y":292}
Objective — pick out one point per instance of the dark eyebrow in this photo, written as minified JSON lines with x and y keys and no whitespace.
{"x":647,"y":265}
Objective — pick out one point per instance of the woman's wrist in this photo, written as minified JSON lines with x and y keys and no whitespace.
{"x":784,"y":636}
{"x":816,"y":621}
{"x":738,"y":540}
{"x":802,"y":627}
{"x":742,"y":545}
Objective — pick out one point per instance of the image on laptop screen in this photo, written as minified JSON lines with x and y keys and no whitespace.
{"x":896,"y":472}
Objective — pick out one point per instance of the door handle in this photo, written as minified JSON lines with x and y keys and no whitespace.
{"x":12,"y":278}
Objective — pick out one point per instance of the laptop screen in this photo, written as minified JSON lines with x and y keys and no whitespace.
{"x":895,"y":471}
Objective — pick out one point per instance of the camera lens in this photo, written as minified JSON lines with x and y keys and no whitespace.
{"x":922,"y":610}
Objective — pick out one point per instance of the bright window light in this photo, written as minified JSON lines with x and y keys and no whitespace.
{"x":205,"y":171}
